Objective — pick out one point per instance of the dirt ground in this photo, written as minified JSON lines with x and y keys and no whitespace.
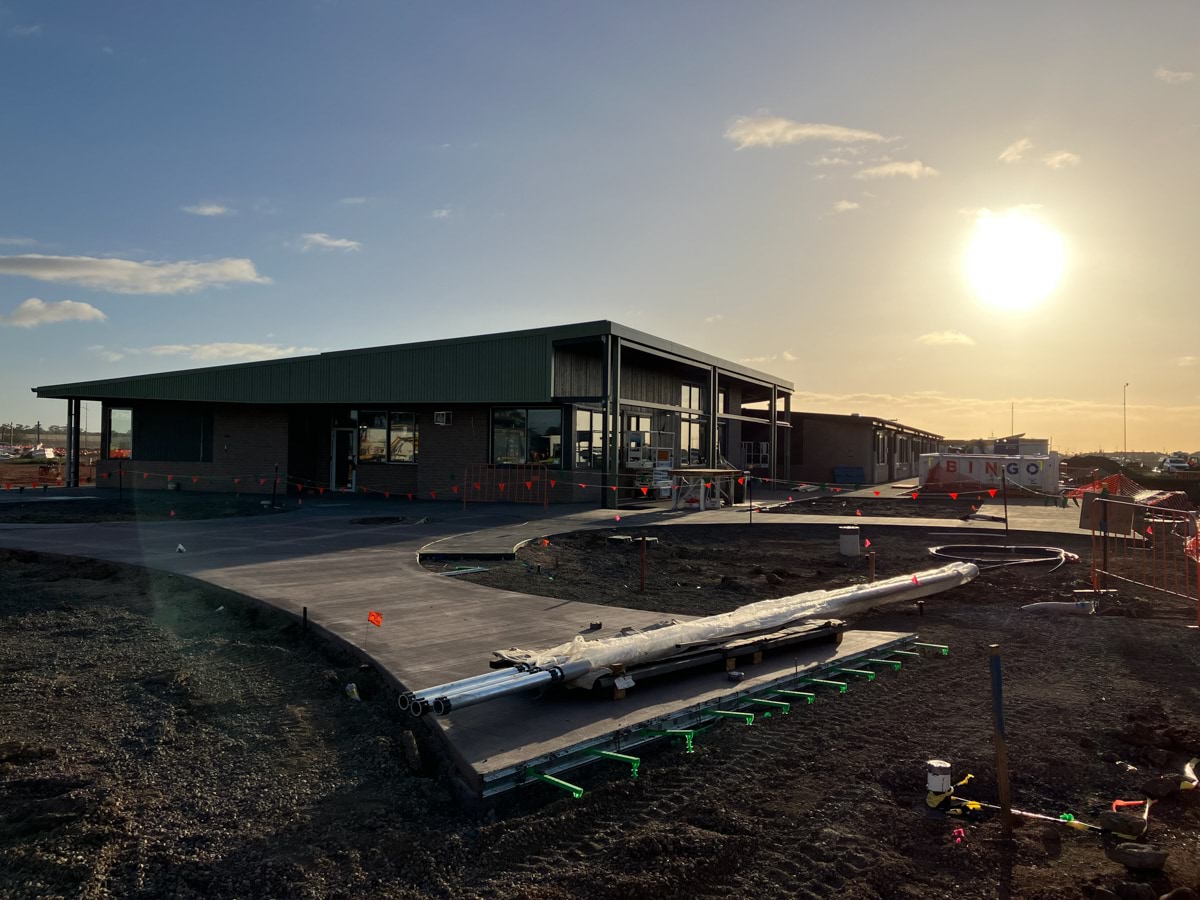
{"x":45,"y":508}
{"x":932,"y":508}
{"x":156,"y":746}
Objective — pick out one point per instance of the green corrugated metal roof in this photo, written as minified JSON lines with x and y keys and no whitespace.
{"x":512,"y":367}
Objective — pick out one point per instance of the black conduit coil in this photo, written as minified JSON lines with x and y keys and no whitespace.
{"x":988,"y":556}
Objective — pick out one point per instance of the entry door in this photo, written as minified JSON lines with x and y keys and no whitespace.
{"x":342,"y":461}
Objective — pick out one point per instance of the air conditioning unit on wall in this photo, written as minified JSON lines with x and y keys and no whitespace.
{"x":443,"y":418}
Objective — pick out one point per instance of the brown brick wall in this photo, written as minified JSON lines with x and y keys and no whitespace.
{"x":248,"y":441}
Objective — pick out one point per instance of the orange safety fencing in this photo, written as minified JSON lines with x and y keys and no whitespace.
{"x":1151,"y":546}
{"x":484,"y":483}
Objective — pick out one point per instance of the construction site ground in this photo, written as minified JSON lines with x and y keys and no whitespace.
{"x":154,"y":744}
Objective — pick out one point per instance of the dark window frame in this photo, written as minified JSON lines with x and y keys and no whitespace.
{"x":550,"y":463}
{"x":107,"y":441}
{"x":386,"y":459}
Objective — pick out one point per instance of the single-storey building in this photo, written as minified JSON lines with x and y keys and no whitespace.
{"x":854,"y":449}
{"x":569,"y":412}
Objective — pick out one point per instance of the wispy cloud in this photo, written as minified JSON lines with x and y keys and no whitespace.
{"x":1171,"y":76}
{"x":208,"y":209}
{"x":712,"y":320}
{"x":355,"y":201}
{"x":16,"y":242}
{"x":1015,"y":151}
{"x":1061,"y":159}
{"x":34,"y":312}
{"x":830,"y":161}
{"x":775,"y":131}
{"x":25,"y":30}
{"x":209,"y":353}
{"x":322,"y":241}
{"x":914,"y":170}
{"x":786,"y":356}
{"x":124,"y":276}
{"x":440,"y":214}
{"x":843,"y":206}
{"x":1185,"y":362}
{"x":946,"y":339}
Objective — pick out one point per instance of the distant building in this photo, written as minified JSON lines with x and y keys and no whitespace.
{"x":1012,"y":445}
{"x":854,"y":449}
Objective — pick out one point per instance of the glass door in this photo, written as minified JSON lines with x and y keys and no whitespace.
{"x":342,"y":459}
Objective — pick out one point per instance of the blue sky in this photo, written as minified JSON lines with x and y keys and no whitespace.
{"x":381,"y":172}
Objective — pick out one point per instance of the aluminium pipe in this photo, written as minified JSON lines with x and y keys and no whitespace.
{"x":420,"y":705}
{"x":450,"y":687}
{"x":568,"y":672}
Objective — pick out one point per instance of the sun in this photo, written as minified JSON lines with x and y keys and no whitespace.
{"x":1014,"y":261}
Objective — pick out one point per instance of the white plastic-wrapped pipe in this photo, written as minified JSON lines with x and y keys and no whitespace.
{"x":633,"y":649}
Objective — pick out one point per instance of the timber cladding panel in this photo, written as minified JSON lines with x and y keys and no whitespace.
{"x":248,"y":441}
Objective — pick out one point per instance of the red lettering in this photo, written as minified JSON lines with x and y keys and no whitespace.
{"x":952,"y":465}
{"x":992,"y":468}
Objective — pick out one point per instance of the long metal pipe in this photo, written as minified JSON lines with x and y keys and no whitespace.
{"x":569,"y":672}
{"x":419,"y":706}
{"x":448,"y":687}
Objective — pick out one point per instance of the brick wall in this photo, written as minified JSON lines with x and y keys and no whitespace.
{"x":248,"y":441}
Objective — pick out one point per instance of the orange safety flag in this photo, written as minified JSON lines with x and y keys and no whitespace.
{"x":195,"y":478}
{"x":582,"y":485}
{"x":858,"y":512}
{"x":529,"y":485}
{"x":409,"y":496}
{"x":476,"y":485}
{"x":433,"y":494}
{"x":387,"y":495}
{"x":991,"y":492}
{"x":501,"y":486}
{"x":237,"y":481}
{"x":553,"y":482}
{"x":915,"y":495}
{"x":645,"y":490}
{"x":454,"y":488}
{"x":375,"y":619}
{"x":170,"y":478}
{"x":545,"y":542}
{"x":145,"y":475}
{"x":953,"y":496}
{"x":618,"y":518}
{"x":320,"y":491}
{"x":915,"y":580}
{"x":613,"y":488}
{"x":867,"y":543}
{"x":877,"y":493}
{"x":741,"y":481}
{"x":172,"y":514}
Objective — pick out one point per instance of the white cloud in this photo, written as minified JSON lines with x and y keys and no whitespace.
{"x":208,"y":209}
{"x":772,"y":131}
{"x":1015,"y":151}
{"x":225,"y":352}
{"x":107,"y":49}
{"x":25,"y":30}
{"x":17,"y":242}
{"x":914,"y":170}
{"x":1185,"y":362}
{"x":711,"y":320}
{"x":1061,"y":160}
{"x":788,"y":356}
{"x":34,"y":312}
{"x":440,"y":214}
{"x":325,"y":242}
{"x":355,"y":201}
{"x":846,"y":206}
{"x":830,"y":161}
{"x":111,"y":356}
{"x":124,"y":276}
{"x":1173,"y":77}
{"x":946,"y":339}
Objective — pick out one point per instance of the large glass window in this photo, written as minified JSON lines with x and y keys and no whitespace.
{"x":690,"y":396}
{"x":589,"y":439}
{"x":402,"y":437}
{"x":372,"y":436}
{"x":521,"y":436}
{"x":387,"y":436}
{"x":120,"y":433}
{"x":693,"y":441}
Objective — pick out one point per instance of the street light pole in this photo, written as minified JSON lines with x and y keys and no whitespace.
{"x":1125,"y":419}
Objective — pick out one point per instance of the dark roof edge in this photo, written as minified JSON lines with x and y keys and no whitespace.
{"x":876,"y":421}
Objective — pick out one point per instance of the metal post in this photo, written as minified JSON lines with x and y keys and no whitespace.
{"x":1001,"y":743}
{"x":750,"y":495}
{"x":120,"y":480}
{"x":1004,"y":484}
{"x":871,"y":566}
{"x":274,"y":485}
{"x":643,"y":588}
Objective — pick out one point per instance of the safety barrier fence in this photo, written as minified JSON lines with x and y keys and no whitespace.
{"x":1149,"y":546}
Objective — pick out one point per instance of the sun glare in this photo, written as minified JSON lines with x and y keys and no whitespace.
{"x":1014,"y":261}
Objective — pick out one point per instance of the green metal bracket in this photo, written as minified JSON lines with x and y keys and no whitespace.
{"x":745,"y":717}
{"x":942,"y":647}
{"x":865,"y":673}
{"x":780,"y":705}
{"x":573,"y":789}
{"x":894,"y":663}
{"x":805,"y":695}
{"x":688,"y":735}
{"x":633,"y":761}
{"x":908,"y":654}
{"x":840,"y":685}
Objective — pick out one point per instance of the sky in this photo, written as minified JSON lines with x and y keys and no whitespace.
{"x":791,"y":185}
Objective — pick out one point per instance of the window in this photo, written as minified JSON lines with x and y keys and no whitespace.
{"x":756,"y":453}
{"x":881,"y":452}
{"x":690,"y":396}
{"x":387,"y":437}
{"x":521,"y":436}
{"x":120,"y":433}
{"x":589,"y":439}
{"x":402,"y":437}
{"x":722,"y":401}
{"x":693,"y":441}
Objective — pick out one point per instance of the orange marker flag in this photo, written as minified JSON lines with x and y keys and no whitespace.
{"x":645,"y":491}
{"x":476,"y":485}
{"x":991,"y":492}
{"x":915,"y":495}
{"x":170,"y":478}
{"x":545,"y":542}
{"x":501,"y":486}
{"x":387,"y":495}
{"x":433,"y":494}
{"x":145,"y":475}
{"x":553,"y":482}
{"x":172,"y":514}
{"x":582,"y":485}
{"x":877,"y":493}
{"x":915,"y":580}
{"x":741,"y":481}
{"x":375,"y":619}
{"x":867,"y":543}
{"x":858,"y":512}
{"x":529,"y":485}
{"x":454,"y":488}
{"x":953,"y":496}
